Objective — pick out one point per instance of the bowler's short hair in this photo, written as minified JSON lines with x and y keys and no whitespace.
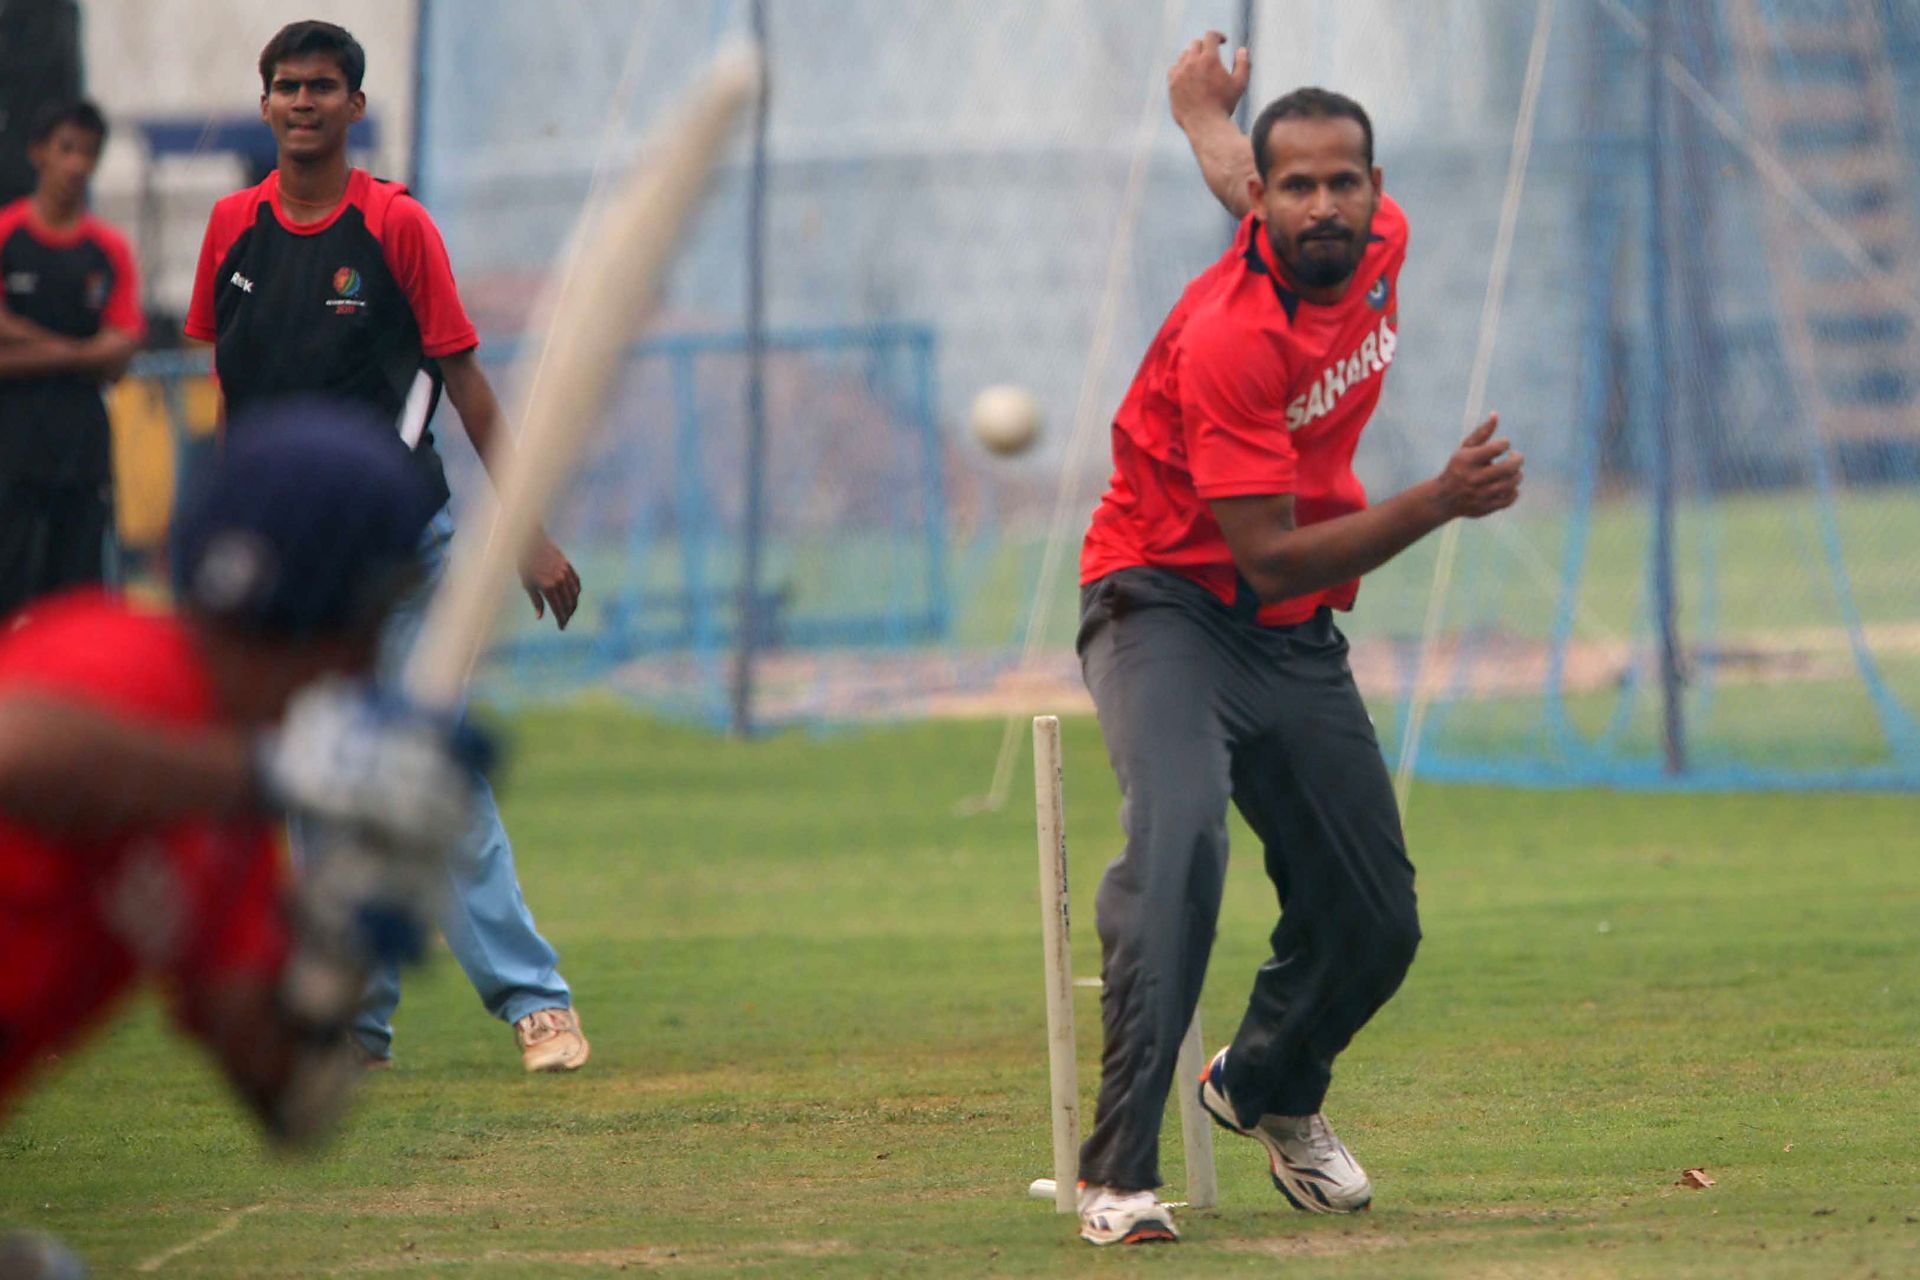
{"x":1307,"y":104}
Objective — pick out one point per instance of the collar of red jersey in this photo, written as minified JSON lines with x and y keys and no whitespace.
{"x":1257,"y":252}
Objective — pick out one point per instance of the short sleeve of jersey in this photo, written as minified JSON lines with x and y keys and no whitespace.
{"x":417,"y":256}
{"x":229,"y":218}
{"x":122,"y":311}
{"x":1233,"y":412}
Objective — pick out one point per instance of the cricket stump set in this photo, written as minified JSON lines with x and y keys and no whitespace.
{"x":1196,"y":1130}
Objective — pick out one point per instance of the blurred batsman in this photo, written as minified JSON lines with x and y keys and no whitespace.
{"x":148,"y":759}
{"x":1231,"y":532}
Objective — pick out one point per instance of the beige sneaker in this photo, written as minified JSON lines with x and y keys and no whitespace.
{"x":550,"y":1040}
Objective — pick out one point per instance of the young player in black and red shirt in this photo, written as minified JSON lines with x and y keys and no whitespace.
{"x":1232,"y":529}
{"x":324,"y":279}
{"x":69,"y":323}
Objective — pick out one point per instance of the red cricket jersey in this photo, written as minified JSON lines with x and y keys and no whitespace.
{"x":1248,"y":389}
{"x":80,"y":922}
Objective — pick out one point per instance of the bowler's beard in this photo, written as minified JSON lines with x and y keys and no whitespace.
{"x":1320,"y":259}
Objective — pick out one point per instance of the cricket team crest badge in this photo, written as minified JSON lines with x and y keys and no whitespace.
{"x":346,"y":288}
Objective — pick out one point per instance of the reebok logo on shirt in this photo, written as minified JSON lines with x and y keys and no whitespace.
{"x":1372,"y":356}
{"x":246,"y":285}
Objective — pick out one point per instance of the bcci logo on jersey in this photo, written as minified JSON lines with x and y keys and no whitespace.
{"x":346,"y":284}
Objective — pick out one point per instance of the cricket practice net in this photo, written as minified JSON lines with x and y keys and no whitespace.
{"x":1672,"y":244}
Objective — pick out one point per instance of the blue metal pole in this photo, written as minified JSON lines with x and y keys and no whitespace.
{"x":933,"y":480}
{"x":1243,"y":114}
{"x":417,"y":135}
{"x":1244,"y":39}
{"x":1666,"y":606}
{"x":747,"y":629}
{"x":690,"y":512}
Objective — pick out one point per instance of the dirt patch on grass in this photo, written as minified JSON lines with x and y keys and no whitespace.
{"x":1450,"y":1227}
{"x":647,"y":1257}
{"x":1313,"y":1246}
{"x":683,"y":1082}
{"x":440,"y":1202}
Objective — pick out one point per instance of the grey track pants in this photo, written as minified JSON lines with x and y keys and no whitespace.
{"x":1199,"y":706}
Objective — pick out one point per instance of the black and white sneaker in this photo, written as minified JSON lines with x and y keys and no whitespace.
{"x":1108,"y":1216}
{"x":1311,"y":1167}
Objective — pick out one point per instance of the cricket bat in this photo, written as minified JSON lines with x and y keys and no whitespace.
{"x":590,"y":310}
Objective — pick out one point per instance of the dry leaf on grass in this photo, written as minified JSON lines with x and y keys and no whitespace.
{"x":1695,"y":1178}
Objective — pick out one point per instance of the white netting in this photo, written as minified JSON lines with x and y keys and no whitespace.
{"x":1705,"y":349}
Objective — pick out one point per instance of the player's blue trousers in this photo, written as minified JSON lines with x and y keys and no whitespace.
{"x":1200,"y":708}
{"x":486,"y":921}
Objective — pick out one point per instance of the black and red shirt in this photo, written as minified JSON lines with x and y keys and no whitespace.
{"x":357,"y":306}
{"x":73,"y":281}
{"x":1248,"y":389}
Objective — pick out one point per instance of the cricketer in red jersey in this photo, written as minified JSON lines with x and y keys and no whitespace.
{"x":197,"y":903}
{"x":1231,"y":531}
{"x":1248,"y":390}
{"x":148,"y":759}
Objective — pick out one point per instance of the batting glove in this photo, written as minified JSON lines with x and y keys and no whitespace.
{"x":373,"y":764}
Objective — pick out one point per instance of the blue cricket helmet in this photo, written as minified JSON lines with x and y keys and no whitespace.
{"x":306,"y":523}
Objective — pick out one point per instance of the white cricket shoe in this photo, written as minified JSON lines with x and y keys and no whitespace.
{"x":1124,"y":1217}
{"x":1311,"y":1167}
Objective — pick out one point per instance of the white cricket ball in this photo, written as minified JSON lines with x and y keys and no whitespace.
{"x":1005,"y":419}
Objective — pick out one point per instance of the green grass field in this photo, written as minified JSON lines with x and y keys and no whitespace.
{"x":815,"y":1000}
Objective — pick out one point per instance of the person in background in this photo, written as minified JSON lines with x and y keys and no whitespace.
{"x":69,"y":324}
{"x":325,"y":280}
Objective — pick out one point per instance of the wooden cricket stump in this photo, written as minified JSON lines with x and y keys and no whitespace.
{"x":1196,"y":1129}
